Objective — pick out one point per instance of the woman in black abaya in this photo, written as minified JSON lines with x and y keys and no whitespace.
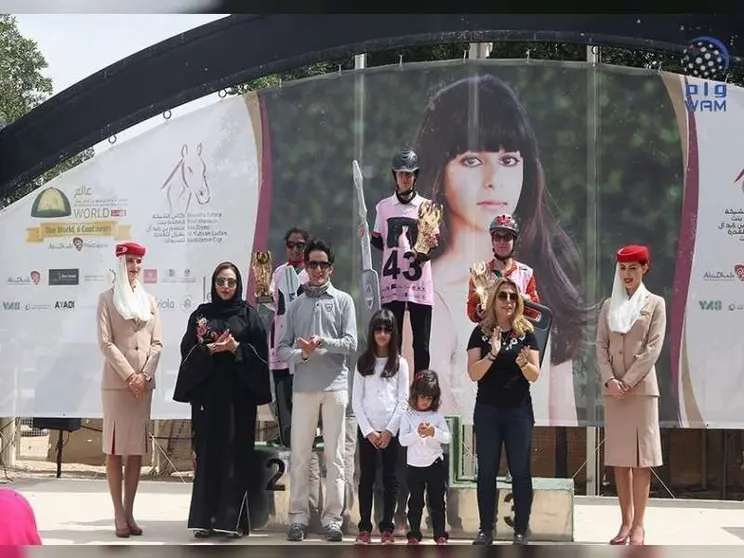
{"x":224,"y":375}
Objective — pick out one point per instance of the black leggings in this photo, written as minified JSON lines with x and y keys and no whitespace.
{"x":420,"y":316}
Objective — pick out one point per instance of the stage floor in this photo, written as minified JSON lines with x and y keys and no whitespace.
{"x":79,"y":512}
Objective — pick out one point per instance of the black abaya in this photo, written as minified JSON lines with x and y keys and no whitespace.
{"x":224,"y":391}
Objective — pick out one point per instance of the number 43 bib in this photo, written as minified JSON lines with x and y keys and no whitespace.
{"x":403,"y":278}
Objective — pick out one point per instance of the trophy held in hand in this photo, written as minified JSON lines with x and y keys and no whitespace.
{"x":483,"y":280}
{"x":429,"y":217}
{"x":262,"y":267}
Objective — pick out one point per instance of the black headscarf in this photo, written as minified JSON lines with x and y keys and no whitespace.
{"x":220,"y":308}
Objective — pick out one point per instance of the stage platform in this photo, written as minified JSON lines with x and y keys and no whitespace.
{"x":79,"y":512}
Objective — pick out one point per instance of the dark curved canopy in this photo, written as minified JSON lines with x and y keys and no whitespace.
{"x":239,"y":48}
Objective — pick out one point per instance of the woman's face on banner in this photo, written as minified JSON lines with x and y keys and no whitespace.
{"x":481,"y":184}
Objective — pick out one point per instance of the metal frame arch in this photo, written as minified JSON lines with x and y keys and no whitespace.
{"x":238,"y":48}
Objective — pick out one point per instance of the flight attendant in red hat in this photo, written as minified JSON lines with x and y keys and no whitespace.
{"x":630,"y":335}
{"x":129,"y":335}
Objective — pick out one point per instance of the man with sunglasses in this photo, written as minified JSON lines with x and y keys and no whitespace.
{"x":504,"y":234}
{"x":284,"y":292}
{"x":320,"y":335}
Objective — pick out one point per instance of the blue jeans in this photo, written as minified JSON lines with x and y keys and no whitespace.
{"x":512,"y":427}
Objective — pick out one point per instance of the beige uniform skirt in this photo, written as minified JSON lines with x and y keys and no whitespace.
{"x":126,"y":422}
{"x":632,"y":433}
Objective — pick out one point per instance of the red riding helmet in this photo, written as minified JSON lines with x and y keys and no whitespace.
{"x":505,"y":223}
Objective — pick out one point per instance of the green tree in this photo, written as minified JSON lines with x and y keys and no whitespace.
{"x":23,"y":86}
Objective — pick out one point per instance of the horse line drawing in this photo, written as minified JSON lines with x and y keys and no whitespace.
{"x":187,"y":180}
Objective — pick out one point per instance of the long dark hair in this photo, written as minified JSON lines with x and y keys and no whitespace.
{"x":366,"y":361}
{"x":426,"y":384}
{"x":481,"y":113}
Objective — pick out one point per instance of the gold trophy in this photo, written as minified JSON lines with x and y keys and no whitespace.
{"x":483,"y":280}
{"x":262,"y":269}
{"x":429,"y":217}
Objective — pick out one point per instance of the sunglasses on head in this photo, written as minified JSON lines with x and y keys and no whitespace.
{"x":312,"y":264}
{"x":503,"y":295}
{"x":299,"y":245}
{"x":221,"y":282}
{"x":383,"y":329}
{"x":502,"y":237}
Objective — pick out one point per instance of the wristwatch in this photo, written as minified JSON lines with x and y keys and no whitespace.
{"x":148,"y":378}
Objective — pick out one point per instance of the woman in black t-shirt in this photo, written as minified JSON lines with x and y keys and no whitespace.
{"x":503,"y":359}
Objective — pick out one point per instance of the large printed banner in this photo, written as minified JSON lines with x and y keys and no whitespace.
{"x":652,"y":158}
{"x":186,"y":190}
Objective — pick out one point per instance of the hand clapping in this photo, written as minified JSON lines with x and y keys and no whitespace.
{"x":496,"y":340}
{"x":307,"y":346}
{"x":223,"y":343}
{"x":425,"y":430}
{"x":522,"y":359}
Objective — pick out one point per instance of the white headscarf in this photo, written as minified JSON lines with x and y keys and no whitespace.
{"x":624,"y":311}
{"x":131,"y":303}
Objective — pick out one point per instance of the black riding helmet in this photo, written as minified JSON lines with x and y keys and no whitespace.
{"x":406,"y":160}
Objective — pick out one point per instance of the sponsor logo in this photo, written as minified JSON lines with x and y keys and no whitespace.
{"x":11,"y":305}
{"x":710,"y":305}
{"x":166,"y":304}
{"x":51,"y":203}
{"x":719,"y":275}
{"x":149,"y":276}
{"x":98,"y":212}
{"x":187,"y":304}
{"x":95,"y":278}
{"x":734,"y":307}
{"x":739,"y":270}
{"x":33,"y":307}
{"x":87,"y":244}
{"x":64,"y":277}
{"x":32,"y":278}
{"x":64,"y":305}
{"x":178,"y":276}
{"x":82,"y":192}
{"x":89,"y":208}
{"x":66,"y":225}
